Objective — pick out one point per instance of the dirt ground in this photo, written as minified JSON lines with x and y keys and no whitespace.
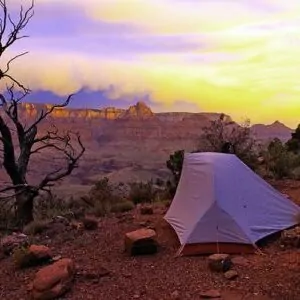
{"x":274,"y":275}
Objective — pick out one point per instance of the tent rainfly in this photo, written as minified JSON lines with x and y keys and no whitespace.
{"x":221,"y":205}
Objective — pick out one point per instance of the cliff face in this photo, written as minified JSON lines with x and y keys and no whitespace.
{"x":139,"y":121}
{"x":109,"y":113}
{"x":274,"y":130}
{"x":133,"y":139}
{"x":140,"y":111}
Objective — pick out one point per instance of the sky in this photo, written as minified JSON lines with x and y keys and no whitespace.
{"x":239,"y":57}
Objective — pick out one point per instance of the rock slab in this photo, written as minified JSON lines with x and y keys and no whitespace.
{"x":141,"y":242}
{"x":54,"y":280}
{"x":219,"y":262}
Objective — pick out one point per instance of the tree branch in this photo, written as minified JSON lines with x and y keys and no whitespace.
{"x":72,"y":161}
{"x":10,"y":32}
{"x":43,"y":115}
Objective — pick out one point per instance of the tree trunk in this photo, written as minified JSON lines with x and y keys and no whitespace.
{"x":24,"y":208}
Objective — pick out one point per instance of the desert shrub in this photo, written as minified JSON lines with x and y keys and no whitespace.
{"x":104,"y":196}
{"x":48,"y":206}
{"x":101,"y":197}
{"x":21,"y":258}
{"x":293,"y":144}
{"x":141,"y":192}
{"x":279,"y":162}
{"x":36,"y":227}
{"x":174,"y":164}
{"x":123,"y":206}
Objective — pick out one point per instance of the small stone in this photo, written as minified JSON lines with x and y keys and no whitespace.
{"x":210,"y":294}
{"x":56,"y":258}
{"x":231,"y":274}
{"x":93,"y":274}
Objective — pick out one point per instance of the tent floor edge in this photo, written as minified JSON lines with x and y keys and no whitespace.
{"x":212,"y":248}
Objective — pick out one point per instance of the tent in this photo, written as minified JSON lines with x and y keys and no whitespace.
{"x":221,"y":205}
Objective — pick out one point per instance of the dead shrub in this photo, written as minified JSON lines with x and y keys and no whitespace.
{"x":141,"y":192}
{"x":49,"y":206}
{"x":36,"y":227}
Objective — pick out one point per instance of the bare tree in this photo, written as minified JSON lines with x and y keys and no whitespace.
{"x":20,"y":141}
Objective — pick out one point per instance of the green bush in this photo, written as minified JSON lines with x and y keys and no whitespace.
{"x":141,"y":192}
{"x":279,"y":162}
{"x":106,"y":197}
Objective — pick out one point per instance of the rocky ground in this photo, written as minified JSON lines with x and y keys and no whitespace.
{"x":105,"y":271}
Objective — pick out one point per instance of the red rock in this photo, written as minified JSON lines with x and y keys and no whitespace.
{"x":32,"y":256}
{"x":141,"y":241}
{"x":40,"y":251}
{"x":53,"y":281}
{"x":219,"y":262}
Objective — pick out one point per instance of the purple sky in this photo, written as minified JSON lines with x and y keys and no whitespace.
{"x":239,"y":57}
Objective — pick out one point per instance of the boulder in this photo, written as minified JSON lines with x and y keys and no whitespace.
{"x":219,"y":262}
{"x":13,"y":241}
{"x":54,"y":280}
{"x":32,"y":256}
{"x":141,"y":241}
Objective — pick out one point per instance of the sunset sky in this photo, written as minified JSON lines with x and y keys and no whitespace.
{"x":241,"y":57}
